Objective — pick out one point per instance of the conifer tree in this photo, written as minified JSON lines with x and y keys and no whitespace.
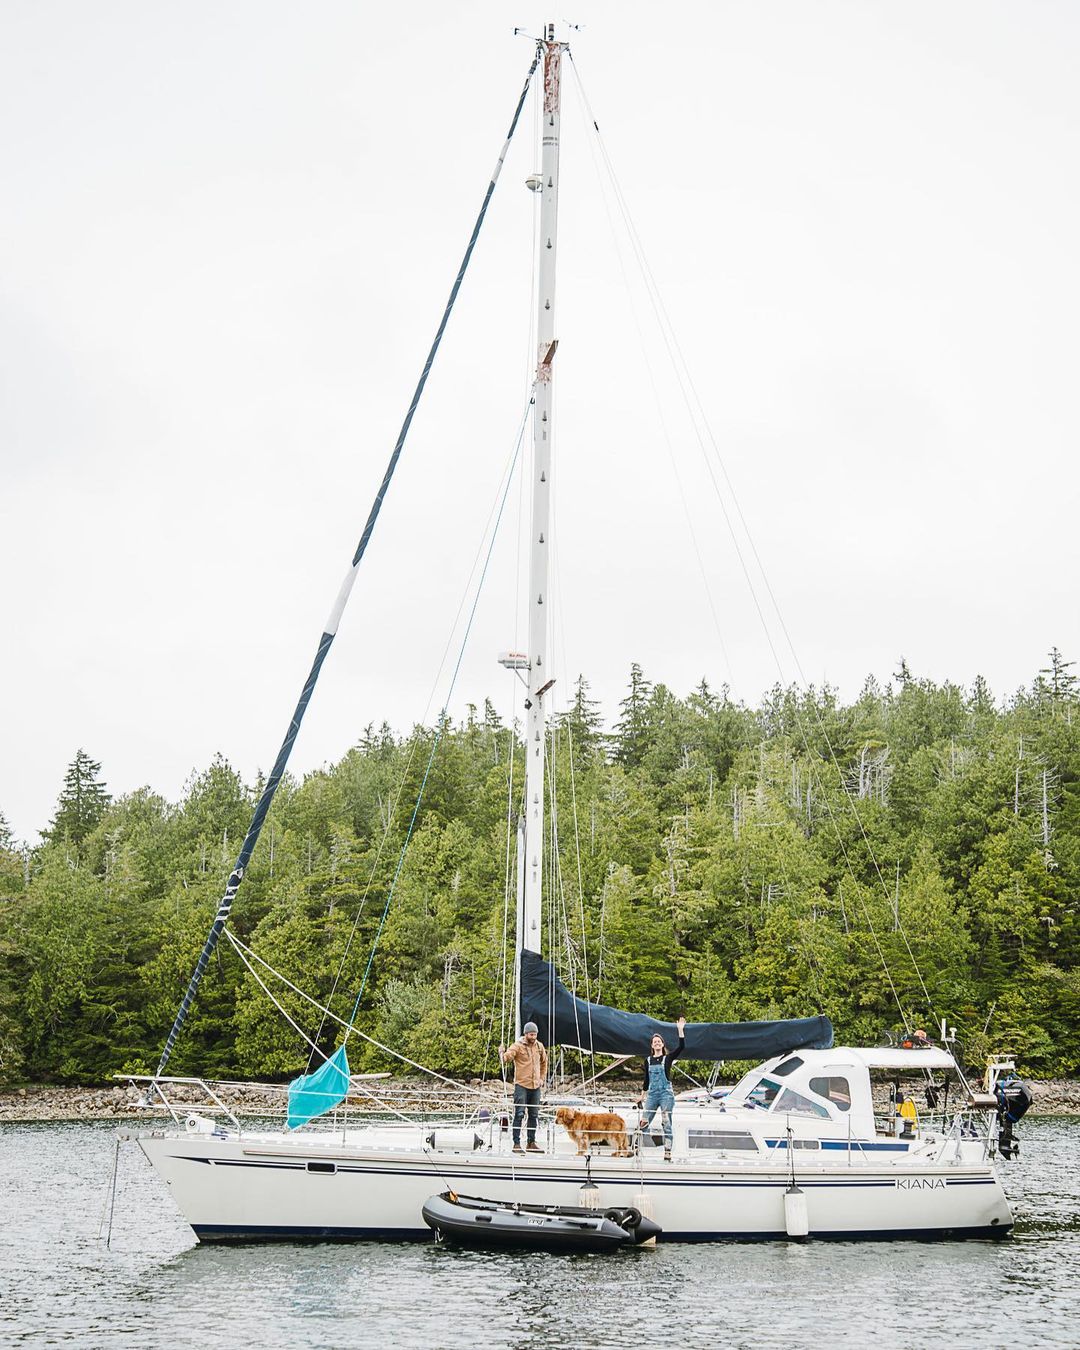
{"x":82,"y":802}
{"x":631,"y":730}
{"x":713,"y":861}
{"x":584,"y":720}
{"x":1060,"y":683}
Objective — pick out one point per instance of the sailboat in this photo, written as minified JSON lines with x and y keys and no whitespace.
{"x":799,"y":1147}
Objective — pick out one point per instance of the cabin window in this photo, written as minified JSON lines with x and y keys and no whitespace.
{"x":795,"y":1104}
{"x":328,"y":1167}
{"x":788,"y":1066}
{"x":835,"y":1090}
{"x":764,"y":1094}
{"x":722,"y":1139}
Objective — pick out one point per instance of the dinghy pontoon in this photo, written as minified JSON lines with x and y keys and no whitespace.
{"x":467,"y":1218}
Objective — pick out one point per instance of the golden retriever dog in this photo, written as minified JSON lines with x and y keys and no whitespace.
{"x":595,"y":1127}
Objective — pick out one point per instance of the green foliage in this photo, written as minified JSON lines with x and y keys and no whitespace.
{"x":912,"y":855}
{"x":12,"y":1054}
{"x":82,"y":803}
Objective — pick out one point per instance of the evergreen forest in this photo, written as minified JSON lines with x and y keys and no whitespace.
{"x":912,"y":854}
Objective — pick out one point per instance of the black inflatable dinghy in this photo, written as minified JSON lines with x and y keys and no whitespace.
{"x":488,"y":1223}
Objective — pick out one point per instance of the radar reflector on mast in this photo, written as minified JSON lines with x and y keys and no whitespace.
{"x":514,"y":660}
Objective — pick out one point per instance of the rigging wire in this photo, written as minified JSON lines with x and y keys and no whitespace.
{"x":583,"y":963}
{"x":600,"y":943}
{"x":558,"y":655}
{"x":391,"y":812}
{"x":244,"y":951}
{"x":490,"y":529}
{"x":507,"y":473}
{"x":580,"y":887}
{"x":329,"y":632}
{"x":699,"y":420}
{"x":559,"y":609}
{"x":812,"y":964}
{"x":557,"y":889}
{"x":444,"y":718}
{"x":507,"y":1014}
{"x":651,"y":372}
{"x":500,"y":981}
{"x":574,"y":961}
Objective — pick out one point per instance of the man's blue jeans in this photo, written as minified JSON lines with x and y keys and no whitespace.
{"x":530,"y":1098}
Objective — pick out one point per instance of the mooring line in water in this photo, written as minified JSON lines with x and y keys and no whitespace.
{"x":110,"y":1198}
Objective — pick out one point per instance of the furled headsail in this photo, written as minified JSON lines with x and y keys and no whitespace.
{"x":564,"y":1019}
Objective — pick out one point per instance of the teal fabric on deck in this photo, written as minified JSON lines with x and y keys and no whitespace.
{"x":313,"y":1093}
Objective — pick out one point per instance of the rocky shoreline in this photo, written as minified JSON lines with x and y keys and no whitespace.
{"x":40,"y":1102}
{"x":411,"y":1096}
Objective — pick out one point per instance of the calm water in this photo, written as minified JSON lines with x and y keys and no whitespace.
{"x":59,"y":1284}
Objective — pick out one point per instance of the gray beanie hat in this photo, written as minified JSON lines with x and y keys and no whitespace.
{"x":529,"y":1026}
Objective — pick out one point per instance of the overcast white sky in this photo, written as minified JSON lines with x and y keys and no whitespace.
{"x":226,"y":234}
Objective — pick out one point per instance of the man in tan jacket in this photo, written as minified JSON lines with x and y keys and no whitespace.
{"x":530,"y":1070}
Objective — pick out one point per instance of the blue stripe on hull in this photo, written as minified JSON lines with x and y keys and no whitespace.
{"x":273,"y":1233}
{"x":842,"y":1146}
{"x":575,"y":1179}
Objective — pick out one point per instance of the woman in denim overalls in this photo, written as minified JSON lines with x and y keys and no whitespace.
{"x":656,"y":1091}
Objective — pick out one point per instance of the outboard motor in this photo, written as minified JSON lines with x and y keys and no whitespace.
{"x":1014,"y":1096}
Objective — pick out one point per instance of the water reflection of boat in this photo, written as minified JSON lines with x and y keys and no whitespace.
{"x":798,"y":1147}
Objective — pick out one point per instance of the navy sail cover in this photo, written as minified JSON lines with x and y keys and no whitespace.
{"x":564,"y":1019}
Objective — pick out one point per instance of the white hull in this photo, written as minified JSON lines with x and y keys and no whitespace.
{"x":263,"y":1187}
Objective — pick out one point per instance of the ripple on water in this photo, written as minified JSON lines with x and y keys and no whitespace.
{"x":156,"y":1287}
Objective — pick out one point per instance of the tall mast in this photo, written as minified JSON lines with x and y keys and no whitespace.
{"x":539,"y":681}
